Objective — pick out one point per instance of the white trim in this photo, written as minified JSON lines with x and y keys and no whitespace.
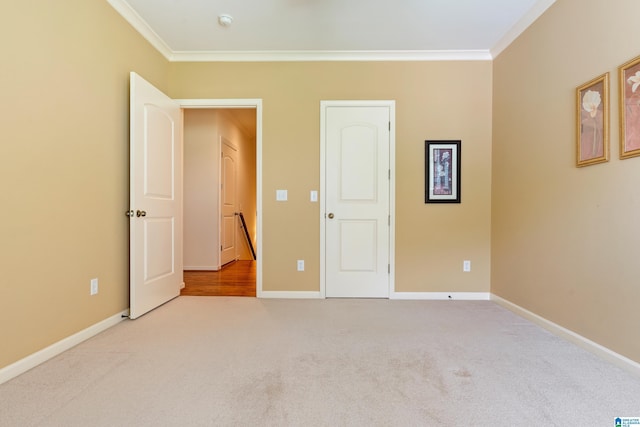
{"x":454,"y":296}
{"x":23,"y":365}
{"x":392,"y":198}
{"x":220,"y":103}
{"x":200,"y":268}
{"x":323,"y":176}
{"x":391,"y":104}
{"x":525,"y":22}
{"x":585,"y":343}
{"x":243,"y":103}
{"x":290,"y":294}
{"x":141,"y":26}
{"x":326,"y":55}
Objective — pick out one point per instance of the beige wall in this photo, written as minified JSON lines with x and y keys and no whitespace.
{"x":565,"y":239}
{"x":64,"y":167}
{"x":201,"y":177}
{"x":436,"y":100}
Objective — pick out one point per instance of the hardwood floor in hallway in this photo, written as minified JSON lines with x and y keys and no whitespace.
{"x":237,"y":278}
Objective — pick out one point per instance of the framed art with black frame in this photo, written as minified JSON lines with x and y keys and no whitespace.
{"x":442,"y":171}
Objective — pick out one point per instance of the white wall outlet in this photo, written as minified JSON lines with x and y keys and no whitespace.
{"x":281,"y":195}
{"x":94,"y":286}
{"x":313,"y":196}
{"x":300,"y":265}
{"x":466,"y":266}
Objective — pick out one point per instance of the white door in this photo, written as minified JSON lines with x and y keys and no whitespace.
{"x":357,"y":207}
{"x":228,"y":201}
{"x":155,"y":198}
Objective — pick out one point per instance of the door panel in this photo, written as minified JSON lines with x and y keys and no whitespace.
{"x":159,"y":238}
{"x":358,"y":244}
{"x":357,"y":233}
{"x":159,"y":169}
{"x":358,"y":165}
{"x":155,"y":198}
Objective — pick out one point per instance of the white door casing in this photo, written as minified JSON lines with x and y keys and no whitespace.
{"x":357,"y":220}
{"x":228,"y":201}
{"x":155,"y":197}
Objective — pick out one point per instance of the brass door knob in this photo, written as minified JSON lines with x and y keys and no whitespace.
{"x":330,"y":216}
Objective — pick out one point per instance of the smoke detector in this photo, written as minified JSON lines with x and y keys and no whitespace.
{"x":225,"y":20}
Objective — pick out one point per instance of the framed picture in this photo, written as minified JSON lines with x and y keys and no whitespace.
{"x":629,"y":83}
{"x":592,"y":145}
{"x":442,"y":172}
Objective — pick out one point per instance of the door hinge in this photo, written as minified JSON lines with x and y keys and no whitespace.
{"x":389,"y":125}
{"x":389,"y":174}
{"x":389,"y":220}
{"x":389,"y":268}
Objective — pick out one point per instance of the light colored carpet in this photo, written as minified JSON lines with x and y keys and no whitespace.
{"x":215,"y":361}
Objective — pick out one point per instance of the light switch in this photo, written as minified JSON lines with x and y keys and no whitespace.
{"x":314,"y":196}
{"x":281,"y":195}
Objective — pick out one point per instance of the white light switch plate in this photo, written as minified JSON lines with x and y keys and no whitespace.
{"x":314,"y":196}
{"x":281,"y":195}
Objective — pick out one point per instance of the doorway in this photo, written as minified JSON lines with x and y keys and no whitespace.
{"x":222,"y":145}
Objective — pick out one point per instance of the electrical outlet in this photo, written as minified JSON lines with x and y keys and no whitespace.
{"x":300,"y":265}
{"x":466,"y":266}
{"x":94,"y":286}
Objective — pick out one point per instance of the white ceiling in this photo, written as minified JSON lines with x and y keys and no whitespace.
{"x":187,"y":30}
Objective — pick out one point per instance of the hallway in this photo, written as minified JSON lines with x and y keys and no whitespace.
{"x":236,"y":279}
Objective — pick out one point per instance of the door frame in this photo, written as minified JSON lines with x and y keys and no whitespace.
{"x":391,"y":104}
{"x":242,"y":103}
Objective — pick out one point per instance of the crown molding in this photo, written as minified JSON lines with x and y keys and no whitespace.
{"x":324,"y":55}
{"x":529,"y":18}
{"x":140,"y":25}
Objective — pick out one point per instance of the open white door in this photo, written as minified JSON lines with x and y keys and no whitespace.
{"x":228,"y":202}
{"x":155,"y":198}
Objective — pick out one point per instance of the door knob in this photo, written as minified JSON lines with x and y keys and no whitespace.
{"x":141,"y":213}
{"x":330,"y":216}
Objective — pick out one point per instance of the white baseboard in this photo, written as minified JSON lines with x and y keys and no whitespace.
{"x":289,"y":294}
{"x":23,"y":365}
{"x":585,"y":343}
{"x":200,"y":267}
{"x":459,"y":296}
